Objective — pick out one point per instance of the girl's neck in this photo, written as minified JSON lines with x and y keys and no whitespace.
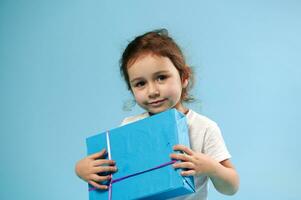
{"x":181,"y":108}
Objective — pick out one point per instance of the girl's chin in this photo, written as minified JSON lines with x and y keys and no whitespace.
{"x":157,"y":110}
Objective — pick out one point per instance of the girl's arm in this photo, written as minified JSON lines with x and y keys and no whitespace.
{"x":223,"y":175}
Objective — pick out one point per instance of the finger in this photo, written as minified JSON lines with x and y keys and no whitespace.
{"x":104,"y":169}
{"x":186,"y":165}
{"x":188,"y":173}
{"x":98,"y":154}
{"x":98,"y":186}
{"x":180,"y":156}
{"x":180,"y":147}
{"x":103,"y":162}
{"x":98,"y":178}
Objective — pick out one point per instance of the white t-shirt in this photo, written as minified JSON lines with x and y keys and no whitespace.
{"x":205,"y":137}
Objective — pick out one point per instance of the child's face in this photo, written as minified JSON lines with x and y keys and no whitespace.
{"x":156,"y":83}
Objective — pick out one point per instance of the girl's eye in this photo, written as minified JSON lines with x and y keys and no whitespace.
{"x":161,"y":77}
{"x":140,"y":84}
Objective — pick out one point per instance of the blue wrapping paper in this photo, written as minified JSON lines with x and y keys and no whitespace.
{"x":140,"y":146}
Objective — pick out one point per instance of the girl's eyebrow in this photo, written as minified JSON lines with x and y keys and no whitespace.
{"x":136,"y":79}
{"x":161,"y":72}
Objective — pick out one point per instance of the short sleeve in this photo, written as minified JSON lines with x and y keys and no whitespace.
{"x":214,"y":144}
{"x":124,"y":122}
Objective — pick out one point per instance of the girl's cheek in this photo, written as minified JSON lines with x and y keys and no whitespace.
{"x":138,"y":96}
{"x":173,"y":90}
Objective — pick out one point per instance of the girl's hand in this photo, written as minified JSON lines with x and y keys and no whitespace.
{"x":193,"y":163}
{"x":89,"y":168}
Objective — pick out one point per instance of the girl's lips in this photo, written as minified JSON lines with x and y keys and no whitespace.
{"x":154,"y":103}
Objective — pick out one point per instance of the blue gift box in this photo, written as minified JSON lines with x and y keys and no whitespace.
{"x":138,"y":147}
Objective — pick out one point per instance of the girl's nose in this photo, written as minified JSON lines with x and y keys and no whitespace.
{"x":153,"y":91}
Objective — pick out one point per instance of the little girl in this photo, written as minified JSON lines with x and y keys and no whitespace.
{"x":155,"y":71}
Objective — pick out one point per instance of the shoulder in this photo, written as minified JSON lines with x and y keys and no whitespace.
{"x":206,"y":136}
{"x":134,"y":118}
{"x":201,"y":121}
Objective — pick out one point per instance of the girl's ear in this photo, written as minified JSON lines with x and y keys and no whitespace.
{"x":185,"y":83}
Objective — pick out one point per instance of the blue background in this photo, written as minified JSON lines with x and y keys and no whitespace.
{"x":60,"y":83}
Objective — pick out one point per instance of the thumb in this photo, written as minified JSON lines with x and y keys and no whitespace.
{"x":100,"y":154}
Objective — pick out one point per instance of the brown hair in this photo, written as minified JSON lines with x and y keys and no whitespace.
{"x":159,"y":43}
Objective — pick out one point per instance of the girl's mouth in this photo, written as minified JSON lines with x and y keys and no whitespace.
{"x":157,"y":103}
